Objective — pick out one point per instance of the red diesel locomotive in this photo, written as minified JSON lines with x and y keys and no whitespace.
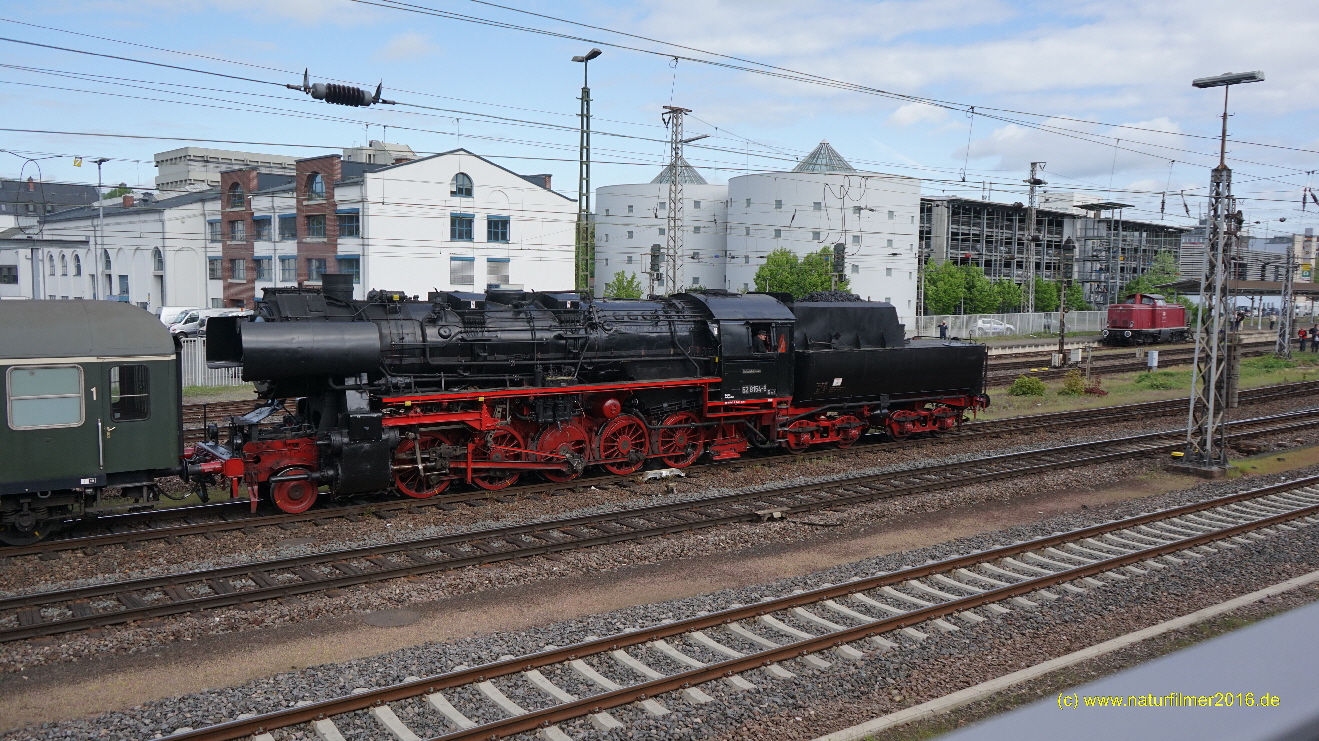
{"x":1145,"y":318}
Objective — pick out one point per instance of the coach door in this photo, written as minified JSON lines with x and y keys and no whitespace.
{"x":126,"y":413}
{"x":755,"y":359}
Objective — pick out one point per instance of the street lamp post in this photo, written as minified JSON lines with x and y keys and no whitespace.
{"x":1205,"y":443}
{"x":97,"y":262}
{"x":584,"y":244}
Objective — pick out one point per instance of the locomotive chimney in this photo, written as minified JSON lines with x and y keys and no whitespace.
{"x":337,"y":285}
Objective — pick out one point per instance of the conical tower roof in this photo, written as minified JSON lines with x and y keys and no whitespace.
{"x":823,"y":159}
{"x":687,"y":175}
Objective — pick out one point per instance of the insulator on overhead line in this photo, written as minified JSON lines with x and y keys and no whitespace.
{"x":340,"y":94}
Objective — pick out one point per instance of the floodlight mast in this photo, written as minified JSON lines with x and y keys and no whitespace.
{"x":584,"y":241}
{"x":1206,"y":450}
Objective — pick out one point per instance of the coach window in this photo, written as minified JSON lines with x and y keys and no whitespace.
{"x":128,"y":393}
{"x":45,"y":396}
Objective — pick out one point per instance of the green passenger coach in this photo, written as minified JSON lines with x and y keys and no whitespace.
{"x":91,"y":393}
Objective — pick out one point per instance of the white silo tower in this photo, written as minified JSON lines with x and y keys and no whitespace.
{"x":823,"y":202}
{"x":629,"y":219}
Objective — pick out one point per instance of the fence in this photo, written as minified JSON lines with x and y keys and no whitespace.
{"x":195,"y":372}
{"x":990,"y":325}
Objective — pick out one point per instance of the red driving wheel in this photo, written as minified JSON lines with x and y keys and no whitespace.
{"x":681,"y":446}
{"x":564,"y":439}
{"x":413,"y":475}
{"x":623,"y":442}
{"x":849,"y":430}
{"x":293,"y":496}
{"x":501,"y":444}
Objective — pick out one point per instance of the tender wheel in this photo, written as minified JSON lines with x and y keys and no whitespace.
{"x":681,"y":446}
{"x":797,"y":438}
{"x":569,"y":440}
{"x":293,"y":496}
{"x":899,"y":424}
{"x":849,"y":430}
{"x":415,"y":473}
{"x":502,"y":444}
{"x":623,"y":442}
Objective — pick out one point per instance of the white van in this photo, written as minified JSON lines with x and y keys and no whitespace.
{"x":171,"y":314}
{"x":193,"y":324}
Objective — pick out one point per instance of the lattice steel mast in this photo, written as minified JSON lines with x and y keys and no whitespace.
{"x":1205,"y":430}
{"x":1286,"y":308}
{"x":672,"y":118}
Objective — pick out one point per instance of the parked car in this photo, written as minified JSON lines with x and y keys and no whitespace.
{"x":193,"y":324}
{"x":171,"y":314}
{"x":992,"y":327}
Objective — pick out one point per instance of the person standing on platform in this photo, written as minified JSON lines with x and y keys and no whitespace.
{"x":1302,"y":334}
{"x":943,"y":330}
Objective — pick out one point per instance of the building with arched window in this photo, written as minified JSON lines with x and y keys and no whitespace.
{"x":451,"y":221}
{"x":18,"y":279}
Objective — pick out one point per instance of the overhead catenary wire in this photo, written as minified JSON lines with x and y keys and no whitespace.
{"x":1082,"y":136}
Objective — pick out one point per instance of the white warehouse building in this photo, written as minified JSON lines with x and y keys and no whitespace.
{"x":630,"y":219}
{"x":823,"y":202}
{"x":729,"y":230}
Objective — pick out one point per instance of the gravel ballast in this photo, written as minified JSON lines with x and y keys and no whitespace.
{"x":816,"y":701}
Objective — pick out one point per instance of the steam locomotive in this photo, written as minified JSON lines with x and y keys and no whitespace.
{"x":482,"y":389}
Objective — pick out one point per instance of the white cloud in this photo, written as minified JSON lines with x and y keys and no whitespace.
{"x":407,"y":45}
{"x":912,"y":113}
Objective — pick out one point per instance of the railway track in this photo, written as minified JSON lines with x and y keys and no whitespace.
{"x":53,"y":612}
{"x":210,"y":519}
{"x":748,"y":646}
{"x":1118,"y":362}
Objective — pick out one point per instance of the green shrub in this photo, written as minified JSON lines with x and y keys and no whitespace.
{"x":1073,"y":383}
{"x":1157,"y":380}
{"x":1027,"y":386}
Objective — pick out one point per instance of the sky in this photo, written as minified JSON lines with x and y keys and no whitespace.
{"x":964,"y":94}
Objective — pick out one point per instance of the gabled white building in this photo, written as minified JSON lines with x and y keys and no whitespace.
{"x":452,"y":221}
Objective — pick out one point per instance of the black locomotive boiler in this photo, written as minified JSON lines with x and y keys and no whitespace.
{"x":485,"y":388}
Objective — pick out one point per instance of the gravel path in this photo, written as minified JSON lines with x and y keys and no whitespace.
{"x":814,"y":702}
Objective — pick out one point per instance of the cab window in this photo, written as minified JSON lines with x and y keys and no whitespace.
{"x":767,"y":339}
{"x":44,"y":396}
{"x":128,"y":393}
{"x":1146,"y":300}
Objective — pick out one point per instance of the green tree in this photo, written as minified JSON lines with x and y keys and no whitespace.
{"x":1046,"y":295}
{"x":120,"y":190}
{"x":1008,"y":295}
{"x":1076,"y":299}
{"x":1162,"y":270}
{"x":624,"y":285}
{"x":980,"y":295}
{"x":784,"y":272}
{"x":944,"y":288}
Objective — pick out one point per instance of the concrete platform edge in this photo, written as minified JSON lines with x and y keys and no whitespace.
{"x":985,"y":689}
